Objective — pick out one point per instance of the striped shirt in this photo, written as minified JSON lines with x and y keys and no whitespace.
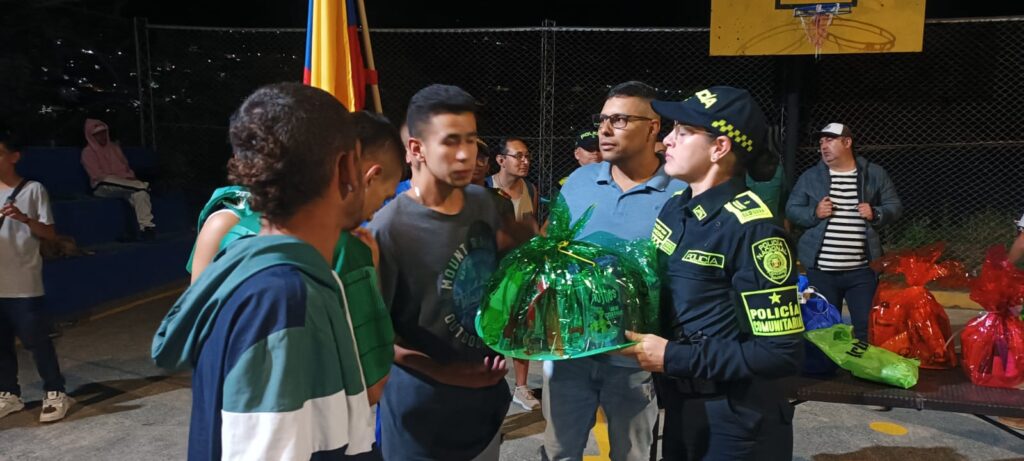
{"x":844,"y":247}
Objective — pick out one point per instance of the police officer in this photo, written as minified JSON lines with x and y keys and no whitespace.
{"x":732,"y":313}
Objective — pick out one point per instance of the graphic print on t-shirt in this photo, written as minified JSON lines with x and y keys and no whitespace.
{"x":463,"y":282}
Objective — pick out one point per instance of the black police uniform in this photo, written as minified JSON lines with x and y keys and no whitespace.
{"x":734,"y":326}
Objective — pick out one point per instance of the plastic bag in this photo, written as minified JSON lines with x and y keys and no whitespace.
{"x":558,"y":298}
{"x":817,"y":313}
{"x":863,"y":360}
{"x":993,"y":344}
{"x":906,"y":318}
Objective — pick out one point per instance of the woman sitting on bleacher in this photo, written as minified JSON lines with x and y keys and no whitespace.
{"x":110,"y":175}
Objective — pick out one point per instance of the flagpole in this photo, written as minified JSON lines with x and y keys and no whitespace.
{"x":369,"y":57}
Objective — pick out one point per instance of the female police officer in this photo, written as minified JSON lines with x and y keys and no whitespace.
{"x":732,"y":312}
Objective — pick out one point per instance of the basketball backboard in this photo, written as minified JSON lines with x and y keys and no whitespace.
{"x":784,"y":27}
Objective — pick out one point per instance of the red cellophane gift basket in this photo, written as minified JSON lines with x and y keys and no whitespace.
{"x":906,"y":318}
{"x":993,"y":344}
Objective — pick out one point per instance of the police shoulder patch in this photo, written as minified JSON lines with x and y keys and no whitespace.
{"x":661,"y":236}
{"x":773,"y":312}
{"x":772,"y":259}
{"x":747,"y":207}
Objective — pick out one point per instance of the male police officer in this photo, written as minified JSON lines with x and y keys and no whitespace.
{"x":732,"y":310}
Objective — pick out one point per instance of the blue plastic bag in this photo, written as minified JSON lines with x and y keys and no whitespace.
{"x":817,"y":313}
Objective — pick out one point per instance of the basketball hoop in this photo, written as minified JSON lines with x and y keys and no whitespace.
{"x":815,"y":20}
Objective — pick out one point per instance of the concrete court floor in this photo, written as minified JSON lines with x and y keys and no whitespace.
{"x":130,"y":410}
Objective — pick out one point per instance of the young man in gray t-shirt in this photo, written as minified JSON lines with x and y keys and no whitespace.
{"x":446,"y":396}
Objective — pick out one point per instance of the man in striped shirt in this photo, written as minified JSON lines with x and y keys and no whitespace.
{"x":841,"y":202}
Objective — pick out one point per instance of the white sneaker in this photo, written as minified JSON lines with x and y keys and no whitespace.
{"x":10,"y":403}
{"x":524,"y":397}
{"x":55,"y":406}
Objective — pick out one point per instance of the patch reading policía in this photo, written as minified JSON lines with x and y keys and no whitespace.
{"x":703,"y":258}
{"x":660,"y":236}
{"x":772,"y":259}
{"x":773,"y":312}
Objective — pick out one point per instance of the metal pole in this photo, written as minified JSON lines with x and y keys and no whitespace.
{"x":793,"y":74}
{"x":375,"y":88}
{"x":547,"y":108}
{"x":138,"y":81}
{"x":149,"y":87}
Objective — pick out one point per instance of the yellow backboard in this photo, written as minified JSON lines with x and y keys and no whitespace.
{"x":770,"y":27}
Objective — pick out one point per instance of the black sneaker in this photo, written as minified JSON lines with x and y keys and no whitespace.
{"x":148,"y":234}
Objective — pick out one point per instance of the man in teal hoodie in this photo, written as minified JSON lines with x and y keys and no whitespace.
{"x":267,"y":329}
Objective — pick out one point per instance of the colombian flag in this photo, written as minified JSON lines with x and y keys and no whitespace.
{"x":334,"y":57}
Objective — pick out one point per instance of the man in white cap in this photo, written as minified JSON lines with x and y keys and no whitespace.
{"x":111,"y":176}
{"x":841,"y":202}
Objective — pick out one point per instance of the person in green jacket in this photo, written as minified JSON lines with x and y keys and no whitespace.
{"x":267,"y":329}
{"x":227,"y":217}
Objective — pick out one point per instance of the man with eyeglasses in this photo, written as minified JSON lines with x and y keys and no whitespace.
{"x":514,"y":162}
{"x":510,"y":182}
{"x":627,"y":190}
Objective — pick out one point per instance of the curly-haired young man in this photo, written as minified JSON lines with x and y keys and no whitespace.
{"x":267,"y":329}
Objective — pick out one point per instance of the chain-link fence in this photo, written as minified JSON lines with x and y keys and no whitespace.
{"x":588,"y":62}
{"x":59,"y":66}
{"x":942,"y":122}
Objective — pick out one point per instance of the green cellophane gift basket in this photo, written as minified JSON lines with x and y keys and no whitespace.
{"x":559,"y":298}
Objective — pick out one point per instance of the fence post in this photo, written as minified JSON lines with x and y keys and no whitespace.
{"x":138,"y":81}
{"x":149,"y":84}
{"x":546,"y":130}
{"x":793,"y":69}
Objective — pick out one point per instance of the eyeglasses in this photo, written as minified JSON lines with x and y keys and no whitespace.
{"x":678,"y":129}
{"x":618,"y":121}
{"x":520,"y":156}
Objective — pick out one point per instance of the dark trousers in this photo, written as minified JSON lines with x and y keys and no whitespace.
{"x":749,"y":420}
{"x":856,"y":286}
{"x":23,"y":318}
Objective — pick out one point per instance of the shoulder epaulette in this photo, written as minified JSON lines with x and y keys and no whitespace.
{"x":747,"y":206}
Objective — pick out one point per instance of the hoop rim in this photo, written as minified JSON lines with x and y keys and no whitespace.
{"x":834,"y":9}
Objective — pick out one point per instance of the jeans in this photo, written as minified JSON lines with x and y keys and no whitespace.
{"x":23,"y":318}
{"x":423,"y":419}
{"x":573,"y":389}
{"x":856,"y":286}
{"x":134,"y":191}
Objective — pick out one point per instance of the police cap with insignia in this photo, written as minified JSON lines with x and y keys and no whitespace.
{"x":723,"y":111}
{"x":587,"y":139}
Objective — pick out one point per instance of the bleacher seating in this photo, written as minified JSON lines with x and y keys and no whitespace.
{"x":118,"y":268}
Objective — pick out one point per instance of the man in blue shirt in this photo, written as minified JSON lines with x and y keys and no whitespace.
{"x":627,"y":191}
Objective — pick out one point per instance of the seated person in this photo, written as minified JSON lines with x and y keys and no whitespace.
{"x":110,"y":175}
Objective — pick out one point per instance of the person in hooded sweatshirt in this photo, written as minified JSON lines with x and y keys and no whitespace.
{"x":111,"y":176}
{"x":267,"y":328}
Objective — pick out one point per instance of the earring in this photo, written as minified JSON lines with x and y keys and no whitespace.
{"x":351,"y":189}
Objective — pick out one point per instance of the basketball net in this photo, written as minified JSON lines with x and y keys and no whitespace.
{"x":815,"y":24}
